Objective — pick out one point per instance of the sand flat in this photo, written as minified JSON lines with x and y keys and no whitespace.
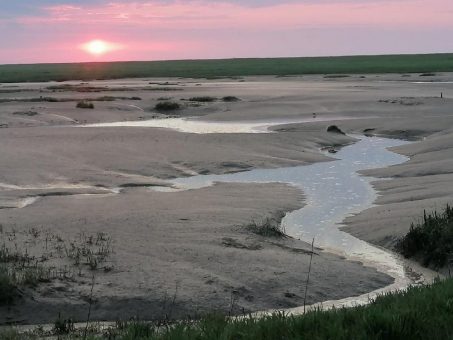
{"x":192,"y":233}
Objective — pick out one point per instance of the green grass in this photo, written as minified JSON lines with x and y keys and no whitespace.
{"x":215,"y":69}
{"x":418,"y":313}
{"x":431,"y":240}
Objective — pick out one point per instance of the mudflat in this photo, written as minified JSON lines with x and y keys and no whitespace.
{"x":180,"y":253}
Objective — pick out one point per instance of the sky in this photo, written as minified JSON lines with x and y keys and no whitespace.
{"x":47,"y":31}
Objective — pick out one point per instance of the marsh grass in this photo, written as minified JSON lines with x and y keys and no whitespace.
{"x":336,"y":76}
{"x":203,"y":99}
{"x":230,"y":99}
{"x":8,"y":288}
{"x":233,"y":68}
{"x":419,"y":313}
{"x":268,"y":227}
{"x":30,"y":258}
{"x":83,"y":104}
{"x":167,"y":106}
{"x":431,"y":240}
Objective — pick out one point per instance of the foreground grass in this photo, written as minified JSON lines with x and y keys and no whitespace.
{"x":431,"y":240}
{"x":428,"y":63}
{"x":419,"y":313}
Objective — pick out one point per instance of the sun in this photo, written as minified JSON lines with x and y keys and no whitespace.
{"x":100,"y":47}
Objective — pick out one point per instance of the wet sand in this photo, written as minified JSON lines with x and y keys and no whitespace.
{"x":191,"y":240}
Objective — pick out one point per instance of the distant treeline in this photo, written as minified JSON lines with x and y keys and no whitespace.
{"x":218,"y":68}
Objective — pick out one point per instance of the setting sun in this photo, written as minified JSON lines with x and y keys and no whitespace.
{"x":100,"y":47}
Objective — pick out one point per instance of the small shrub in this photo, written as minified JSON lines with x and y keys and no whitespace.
{"x":230,"y":99}
{"x":429,"y":74}
{"x":83,"y":104}
{"x":205,"y":99}
{"x":167,"y":106}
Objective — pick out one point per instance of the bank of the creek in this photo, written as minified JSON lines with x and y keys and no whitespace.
{"x":333,"y":191}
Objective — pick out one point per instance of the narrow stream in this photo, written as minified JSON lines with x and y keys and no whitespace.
{"x":333,"y":191}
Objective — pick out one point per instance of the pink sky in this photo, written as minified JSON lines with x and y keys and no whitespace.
{"x":150,"y":30}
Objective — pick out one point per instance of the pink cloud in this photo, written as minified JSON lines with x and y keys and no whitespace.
{"x":205,"y":14}
{"x":212,"y":29}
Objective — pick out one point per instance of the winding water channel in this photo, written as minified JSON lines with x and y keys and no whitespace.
{"x":333,"y":191}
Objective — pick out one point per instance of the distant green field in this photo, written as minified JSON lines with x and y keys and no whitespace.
{"x":229,"y":67}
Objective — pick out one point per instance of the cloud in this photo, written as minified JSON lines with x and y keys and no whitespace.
{"x":179,"y":29}
{"x":205,"y":14}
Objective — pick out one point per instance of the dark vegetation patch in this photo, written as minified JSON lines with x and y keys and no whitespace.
{"x":335,"y":129}
{"x":336,"y":76}
{"x":204,"y":99}
{"x":91,"y":89}
{"x":25,"y":113}
{"x":230,"y":99}
{"x":166,"y":83}
{"x":15,"y":90}
{"x":157,"y":89}
{"x":431,"y":240}
{"x":428,"y":74}
{"x":233,"y":243}
{"x":77,"y":88}
{"x":221,"y":68}
{"x":268,"y":227}
{"x":167,"y":106}
{"x":65,"y":100}
{"x":369,"y":132}
{"x":407,"y":101}
{"x":84,"y":104}
{"x":139,"y":185}
{"x":8,"y":289}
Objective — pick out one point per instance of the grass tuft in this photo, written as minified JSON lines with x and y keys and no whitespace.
{"x":230,"y":99}
{"x":269,"y":227}
{"x":167,"y":106}
{"x":8,"y":289}
{"x":83,"y":104}
{"x":431,"y":240}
